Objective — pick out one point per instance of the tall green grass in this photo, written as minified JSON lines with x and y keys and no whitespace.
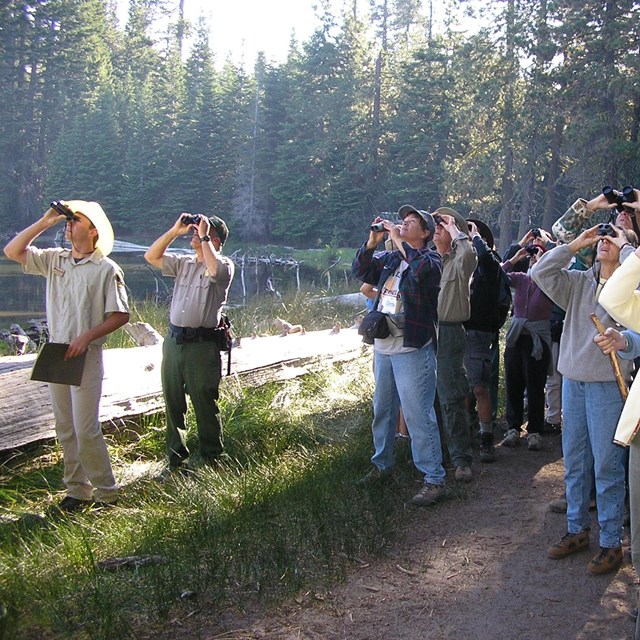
{"x":311,"y":310}
{"x":282,"y":514}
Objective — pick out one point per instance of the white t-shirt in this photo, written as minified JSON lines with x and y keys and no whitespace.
{"x":391,"y":302}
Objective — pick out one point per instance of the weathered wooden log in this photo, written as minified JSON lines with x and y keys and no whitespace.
{"x":132,"y":384}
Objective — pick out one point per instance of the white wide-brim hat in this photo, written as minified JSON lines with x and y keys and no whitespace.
{"x":99,"y":220}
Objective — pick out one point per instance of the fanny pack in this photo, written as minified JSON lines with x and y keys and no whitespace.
{"x":395,"y":322}
{"x":374,"y":325}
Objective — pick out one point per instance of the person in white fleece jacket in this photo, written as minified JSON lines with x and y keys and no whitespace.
{"x":591,"y":401}
{"x":622,"y":300}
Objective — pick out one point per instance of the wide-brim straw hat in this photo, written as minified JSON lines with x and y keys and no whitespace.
{"x":99,"y":220}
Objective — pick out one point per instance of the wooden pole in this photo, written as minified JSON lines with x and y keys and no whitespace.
{"x":615,"y":362}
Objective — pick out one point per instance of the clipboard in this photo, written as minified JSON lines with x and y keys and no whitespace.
{"x":50,"y":365}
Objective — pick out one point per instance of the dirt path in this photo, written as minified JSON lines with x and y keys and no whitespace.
{"x":474,"y":568}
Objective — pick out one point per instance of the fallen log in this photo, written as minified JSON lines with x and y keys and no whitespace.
{"x":132,"y":384}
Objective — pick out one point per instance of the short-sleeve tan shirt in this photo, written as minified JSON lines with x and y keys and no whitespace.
{"x":197,"y":297}
{"x":80,"y":295}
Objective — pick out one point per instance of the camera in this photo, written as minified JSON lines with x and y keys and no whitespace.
{"x":437,"y":218}
{"x":606,"y":229}
{"x":535,"y":232}
{"x":63,"y":209}
{"x":618,"y":198}
{"x":377,"y":226}
{"x":532,"y":249}
{"x":187,"y":218}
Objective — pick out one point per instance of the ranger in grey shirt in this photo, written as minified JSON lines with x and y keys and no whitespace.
{"x":191,"y":350}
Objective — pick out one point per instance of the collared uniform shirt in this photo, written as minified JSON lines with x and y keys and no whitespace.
{"x":80,"y":295}
{"x":197,"y":297}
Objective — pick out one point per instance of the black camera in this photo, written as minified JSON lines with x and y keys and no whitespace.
{"x":377,"y":226}
{"x":187,"y":218}
{"x":618,"y":198}
{"x":63,"y":209}
{"x":606,"y":230}
{"x":535,"y":232}
{"x":532,"y":249}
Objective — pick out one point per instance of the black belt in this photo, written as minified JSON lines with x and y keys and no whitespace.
{"x":192,"y":334}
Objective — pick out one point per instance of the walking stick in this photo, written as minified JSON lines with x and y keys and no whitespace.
{"x":615,"y":363}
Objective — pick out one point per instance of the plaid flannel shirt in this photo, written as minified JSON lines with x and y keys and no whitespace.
{"x":419,"y":286}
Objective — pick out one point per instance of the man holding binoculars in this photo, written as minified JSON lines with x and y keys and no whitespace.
{"x":191,"y":351}
{"x":86,"y":300}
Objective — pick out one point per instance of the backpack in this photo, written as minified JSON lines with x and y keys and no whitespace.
{"x":224,"y":338}
{"x":504,"y":300}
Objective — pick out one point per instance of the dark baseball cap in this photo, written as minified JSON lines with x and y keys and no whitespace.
{"x":222,"y":231}
{"x":406,"y":209}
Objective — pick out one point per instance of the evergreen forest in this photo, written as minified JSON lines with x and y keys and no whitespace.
{"x":509,"y":121}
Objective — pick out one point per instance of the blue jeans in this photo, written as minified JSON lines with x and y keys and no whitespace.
{"x":590,"y":412}
{"x":407,"y":379}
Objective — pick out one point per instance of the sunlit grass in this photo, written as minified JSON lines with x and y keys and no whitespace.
{"x":312,"y":311}
{"x":282,"y":514}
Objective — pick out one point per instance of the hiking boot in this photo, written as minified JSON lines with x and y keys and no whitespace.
{"x":568,"y":544}
{"x":552,"y":428}
{"x":534,"y":442}
{"x":69,"y":505}
{"x":560,"y":506}
{"x":511,"y":438}
{"x":373,"y":476}
{"x":463,"y":474}
{"x":605,"y":561}
{"x":487,"y":451}
{"x":428,"y":495}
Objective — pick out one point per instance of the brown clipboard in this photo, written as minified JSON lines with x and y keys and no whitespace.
{"x":50,"y":365}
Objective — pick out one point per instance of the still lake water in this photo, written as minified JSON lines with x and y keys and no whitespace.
{"x":23,"y":296}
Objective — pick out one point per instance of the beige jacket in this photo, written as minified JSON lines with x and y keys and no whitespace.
{"x":621,"y":299}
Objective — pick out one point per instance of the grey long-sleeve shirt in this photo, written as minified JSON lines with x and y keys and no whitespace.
{"x":575,"y":292}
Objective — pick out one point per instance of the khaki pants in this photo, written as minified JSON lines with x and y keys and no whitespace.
{"x":87,"y":468}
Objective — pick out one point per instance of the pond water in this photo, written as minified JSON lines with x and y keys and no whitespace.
{"x":23,"y":296}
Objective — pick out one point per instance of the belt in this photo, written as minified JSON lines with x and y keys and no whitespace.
{"x":192,"y":334}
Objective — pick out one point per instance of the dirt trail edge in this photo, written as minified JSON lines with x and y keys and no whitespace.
{"x":474,"y":568}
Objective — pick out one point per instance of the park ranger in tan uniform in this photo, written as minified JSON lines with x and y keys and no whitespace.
{"x":86,"y":300}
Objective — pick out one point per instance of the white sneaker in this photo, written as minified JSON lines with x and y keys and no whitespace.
{"x":511,"y":438}
{"x":534,"y":442}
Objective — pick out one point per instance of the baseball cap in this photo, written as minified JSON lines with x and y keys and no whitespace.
{"x":406,"y":209}
{"x":221,"y":228}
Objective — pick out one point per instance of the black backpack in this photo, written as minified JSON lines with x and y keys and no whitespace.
{"x":224,"y":338}
{"x":504,"y":300}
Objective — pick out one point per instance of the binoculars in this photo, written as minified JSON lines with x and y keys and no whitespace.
{"x":606,"y":230}
{"x":191,"y":219}
{"x":63,"y":209}
{"x":378,"y":226}
{"x":619,"y":198}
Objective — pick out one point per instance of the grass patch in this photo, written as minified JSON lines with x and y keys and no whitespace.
{"x":312,"y":311}
{"x":283,"y":514}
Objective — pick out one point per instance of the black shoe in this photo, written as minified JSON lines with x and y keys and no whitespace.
{"x":551,"y":428}
{"x":101,"y":504}
{"x":69,"y":505}
{"x":487,"y":452}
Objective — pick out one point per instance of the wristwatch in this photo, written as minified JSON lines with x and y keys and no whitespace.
{"x":204,"y":238}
